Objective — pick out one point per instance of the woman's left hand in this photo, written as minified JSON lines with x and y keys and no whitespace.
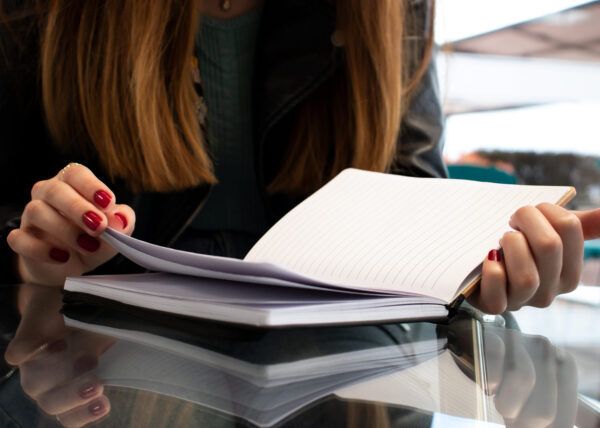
{"x":541,"y":259}
{"x":55,"y":362}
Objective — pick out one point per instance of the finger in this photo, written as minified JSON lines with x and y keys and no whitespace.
{"x":57,"y":228}
{"x":546,"y":246}
{"x":41,"y":323}
{"x":73,"y":394}
{"x":44,"y":373}
{"x":33,"y":248}
{"x":67,"y":201}
{"x":518,"y":379}
{"x":568,"y":227}
{"x":590,"y":223}
{"x":492,"y":295}
{"x":521,"y":271}
{"x":122,"y":218}
{"x":59,"y":364}
{"x":27,"y":344}
{"x":540,"y":409}
{"x":87,"y":185}
{"x":566,"y":401}
{"x":86,"y":413}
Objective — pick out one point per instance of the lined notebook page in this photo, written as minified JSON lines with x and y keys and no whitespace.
{"x":394,"y":233}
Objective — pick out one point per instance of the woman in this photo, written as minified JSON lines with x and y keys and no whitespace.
{"x":317,"y":106}
{"x":317,"y":86}
{"x":324,"y":99}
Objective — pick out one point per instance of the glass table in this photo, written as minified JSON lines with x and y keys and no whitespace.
{"x":151,"y":369}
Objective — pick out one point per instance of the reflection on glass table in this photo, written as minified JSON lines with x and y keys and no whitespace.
{"x":124,"y":367}
{"x":571,"y":323}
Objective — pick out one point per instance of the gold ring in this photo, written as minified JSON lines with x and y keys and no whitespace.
{"x":42,"y":347}
{"x":64,"y":170}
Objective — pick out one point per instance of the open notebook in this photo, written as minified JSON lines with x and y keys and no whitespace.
{"x":365,"y":247}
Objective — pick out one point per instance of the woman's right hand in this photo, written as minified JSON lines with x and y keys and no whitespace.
{"x":58,"y":235}
{"x":533,"y":383}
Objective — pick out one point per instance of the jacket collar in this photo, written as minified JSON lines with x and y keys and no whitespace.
{"x":295,"y":54}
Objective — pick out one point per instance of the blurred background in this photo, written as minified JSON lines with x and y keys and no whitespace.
{"x":520,"y":85}
{"x":521,"y":89}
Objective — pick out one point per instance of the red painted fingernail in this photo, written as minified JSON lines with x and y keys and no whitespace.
{"x":92,"y":220}
{"x":122,"y":218}
{"x":96,"y":408}
{"x":87,"y":390}
{"x":102,"y":198}
{"x":495,"y":256}
{"x":88,"y":242}
{"x":58,"y":346}
{"x":59,"y":255}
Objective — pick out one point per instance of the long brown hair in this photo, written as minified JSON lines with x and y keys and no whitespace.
{"x":116,"y":76}
{"x":354,"y":122}
{"x":119,"y":72}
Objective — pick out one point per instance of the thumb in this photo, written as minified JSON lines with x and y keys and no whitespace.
{"x":590,"y":223}
{"x":40,"y":324}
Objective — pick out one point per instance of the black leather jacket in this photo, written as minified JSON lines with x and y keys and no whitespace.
{"x":294,"y":57}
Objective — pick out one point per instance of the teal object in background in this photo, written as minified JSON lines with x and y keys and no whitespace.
{"x":591,"y":249}
{"x":479,"y":173}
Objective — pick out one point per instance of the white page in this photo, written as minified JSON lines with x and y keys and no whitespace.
{"x":136,"y":366}
{"x":275,"y":374}
{"x":235,"y":302}
{"x":163,"y":259}
{"x":387,"y":232}
{"x":189,"y":288}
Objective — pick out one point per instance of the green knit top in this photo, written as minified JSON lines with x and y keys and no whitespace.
{"x":226,"y":54}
